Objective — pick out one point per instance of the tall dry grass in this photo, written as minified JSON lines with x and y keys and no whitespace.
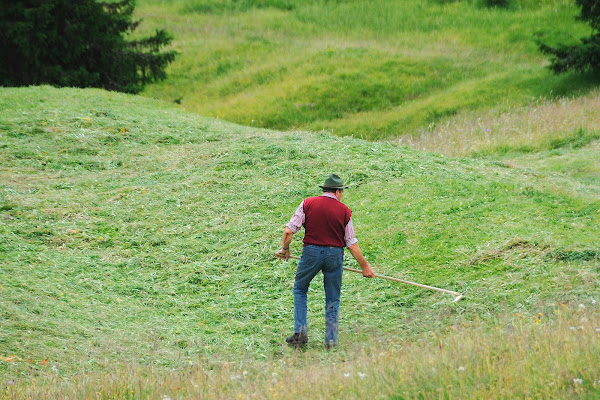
{"x":548,"y":356}
{"x":530,"y":128}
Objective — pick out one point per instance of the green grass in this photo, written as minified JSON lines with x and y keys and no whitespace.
{"x":138,"y":239}
{"x":375,"y":70}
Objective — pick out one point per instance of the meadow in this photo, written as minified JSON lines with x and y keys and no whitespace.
{"x":137,"y":232}
{"x":378,"y":70}
{"x":137,"y":244}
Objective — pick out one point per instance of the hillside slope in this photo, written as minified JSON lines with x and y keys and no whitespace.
{"x":371,"y":69}
{"x":134,"y":232}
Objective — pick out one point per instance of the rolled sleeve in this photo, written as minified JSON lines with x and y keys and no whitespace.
{"x":297,"y":220}
{"x":349,"y":235}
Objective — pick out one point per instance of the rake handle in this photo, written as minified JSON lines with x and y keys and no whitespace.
{"x":457,"y":296}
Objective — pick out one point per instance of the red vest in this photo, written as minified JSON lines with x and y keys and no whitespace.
{"x":325,"y":221}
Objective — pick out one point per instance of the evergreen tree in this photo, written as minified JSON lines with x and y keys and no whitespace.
{"x":584,"y":57}
{"x":78,"y":43}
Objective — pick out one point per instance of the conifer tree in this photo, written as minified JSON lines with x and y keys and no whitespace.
{"x":80,"y":43}
{"x":583,"y":57}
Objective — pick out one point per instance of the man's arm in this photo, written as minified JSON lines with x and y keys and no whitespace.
{"x":292,"y":227}
{"x":284,"y":252}
{"x":364,"y":265}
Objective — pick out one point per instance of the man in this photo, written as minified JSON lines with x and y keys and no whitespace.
{"x":328,"y":230}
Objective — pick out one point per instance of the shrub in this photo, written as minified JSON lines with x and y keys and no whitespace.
{"x":496,"y":3}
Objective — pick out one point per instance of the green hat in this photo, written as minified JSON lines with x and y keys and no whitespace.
{"x":333,"y":182}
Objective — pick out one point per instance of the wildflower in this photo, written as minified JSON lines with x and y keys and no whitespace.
{"x":582,"y":306}
{"x":572,"y":328}
{"x":461,"y":369}
{"x":578,"y":381}
{"x":347,"y":375}
{"x":361,"y":375}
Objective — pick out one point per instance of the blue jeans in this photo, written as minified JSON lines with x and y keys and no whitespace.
{"x":329,"y":260}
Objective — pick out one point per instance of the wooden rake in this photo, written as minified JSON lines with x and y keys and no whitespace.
{"x":457,"y":296}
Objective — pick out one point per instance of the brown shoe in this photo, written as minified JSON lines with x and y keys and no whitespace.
{"x":297,"y":339}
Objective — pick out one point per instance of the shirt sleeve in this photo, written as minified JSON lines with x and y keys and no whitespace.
{"x":349,"y":235}
{"x":297,"y":220}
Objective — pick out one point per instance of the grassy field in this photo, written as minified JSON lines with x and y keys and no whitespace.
{"x":136,"y":259}
{"x":378,"y":69}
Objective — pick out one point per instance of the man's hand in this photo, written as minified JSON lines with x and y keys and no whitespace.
{"x":364,"y":265}
{"x":367,"y":271}
{"x":283,"y":254}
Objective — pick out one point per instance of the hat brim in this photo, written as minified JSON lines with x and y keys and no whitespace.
{"x":333,"y":187}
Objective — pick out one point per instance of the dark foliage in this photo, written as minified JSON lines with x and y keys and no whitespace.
{"x":78,"y":43}
{"x":583,"y":57}
{"x":497,"y":3}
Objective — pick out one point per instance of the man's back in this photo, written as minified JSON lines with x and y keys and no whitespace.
{"x":325,"y":221}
